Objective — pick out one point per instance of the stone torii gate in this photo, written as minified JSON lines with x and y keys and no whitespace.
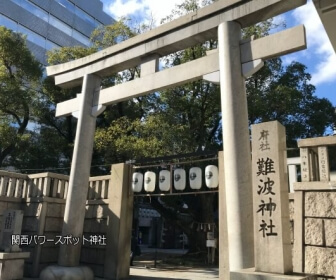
{"x":233,"y":60}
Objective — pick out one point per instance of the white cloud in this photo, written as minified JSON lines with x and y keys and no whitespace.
{"x":119,"y":9}
{"x":146,"y":8}
{"x":319,"y":46}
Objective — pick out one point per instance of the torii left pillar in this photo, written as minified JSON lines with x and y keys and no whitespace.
{"x":69,"y":255}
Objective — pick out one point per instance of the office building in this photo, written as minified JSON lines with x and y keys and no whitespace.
{"x":53,"y":23}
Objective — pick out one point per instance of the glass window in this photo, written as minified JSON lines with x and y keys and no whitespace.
{"x":97,"y":23}
{"x":32,"y":36}
{"x":60,"y":25}
{"x":17,"y":2}
{"x":84,"y":16}
{"x":81,"y":38}
{"x":66,"y":4}
{"x":27,"y":5}
{"x":35,"y":10}
{"x":10,"y":24}
{"x":51,"y":45}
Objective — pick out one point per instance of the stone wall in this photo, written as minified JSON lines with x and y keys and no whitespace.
{"x":45,"y":218}
{"x":291,"y":216}
{"x":42,"y":225}
{"x":34,"y":211}
{"x":42,"y":222}
{"x":8,"y":203}
{"x":315,"y":231}
{"x":42,"y":197}
{"x":96,"y":224}
{"x":315,"y":210}
{"x":320,"y":232}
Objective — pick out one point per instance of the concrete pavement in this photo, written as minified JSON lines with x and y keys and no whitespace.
{"x":178,"y":273}
{"x":144,"y":266}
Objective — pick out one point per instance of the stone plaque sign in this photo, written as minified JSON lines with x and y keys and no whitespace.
{"x":11,"y":225}
{"x":323,"y":164}
{"x":305,"y":171}
{"x":270,"y":199}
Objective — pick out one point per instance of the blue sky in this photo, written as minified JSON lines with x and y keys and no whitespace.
{"x":320,"y":57}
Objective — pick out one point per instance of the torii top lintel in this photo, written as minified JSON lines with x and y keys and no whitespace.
{"x":181,"y":33}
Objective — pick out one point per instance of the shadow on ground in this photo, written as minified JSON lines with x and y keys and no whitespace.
{"x":170,"y":264}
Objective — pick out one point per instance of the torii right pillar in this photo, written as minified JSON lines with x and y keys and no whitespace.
{"x":237,"y":151}
{"x":238,"y":169}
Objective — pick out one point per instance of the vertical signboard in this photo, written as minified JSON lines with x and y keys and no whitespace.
{"x":270,"y":198}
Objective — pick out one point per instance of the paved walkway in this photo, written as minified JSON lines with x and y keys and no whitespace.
{"x":142,"y":273}
{"x":144,"y":267}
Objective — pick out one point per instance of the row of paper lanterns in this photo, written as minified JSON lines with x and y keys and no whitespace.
{"x":148,"y":180}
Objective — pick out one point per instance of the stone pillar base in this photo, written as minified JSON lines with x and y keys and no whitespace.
{"x":11,"y":265}
{"x":64,"y":273}
{"x":250,"y":274}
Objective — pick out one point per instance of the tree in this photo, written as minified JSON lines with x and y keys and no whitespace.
{"x":183,"y":120}
{"x":20,"y":73}
{"x":51,"y":131}
{"x":188,"y":119}
{"x":64,"y":128}
{"x":285,"y":94}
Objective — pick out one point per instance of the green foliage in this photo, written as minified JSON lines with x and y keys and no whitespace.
{"x":9,"y":135}
{"x":128,"y":139}
{"x":195,"y":106}
{"x":285,"y":94}
{"x":60,"y":131}
{"x":56,"y":56}
{"x":36,"y":102}
{"x":17,"y":63}
{"x":66,"y":54}
{"x":19,"y":76}
{"x":180,"y":120}
{"x":106,"y":36}
{"x":65,"y":127}
{"x":43,"y":151}
{"x":185,"y":119}
{"x":192,"y":112}
{"x":262,"y":29}
{"x":175,"y":121}
{"x":186,"y":7}
{"x":188,"y":118}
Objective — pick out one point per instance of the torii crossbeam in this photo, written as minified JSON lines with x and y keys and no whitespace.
{"x":234,"y":59}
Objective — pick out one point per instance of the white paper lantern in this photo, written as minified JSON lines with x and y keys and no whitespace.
{"x":179,"y":179}
{"x":150,"y":178}
{"x":195,"y":178}
{"x":137,"y":181}
{"x":211,"y":176}
{"x":164,"y":180}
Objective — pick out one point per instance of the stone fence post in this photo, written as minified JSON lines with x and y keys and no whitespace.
{"x":118,"y":239}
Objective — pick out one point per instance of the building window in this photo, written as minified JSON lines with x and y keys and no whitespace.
{"x":81,"y":38}
{"x":84,"y":16}
{"x":79,"y":12}
{"x":32,"y":36}
{"x":10,"y":24}
{"x":17,"y":2}
{"x":98,"y":23}
{"x":51,"y":45}
{"x":35,"y":10}
{"x":67,"y":5}
{"x":60,"y":25}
